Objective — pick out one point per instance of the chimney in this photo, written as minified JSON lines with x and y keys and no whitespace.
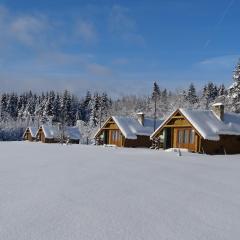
{"x":218,"y":109}
{"x":59,"y":126}
{"x":140,"y":118}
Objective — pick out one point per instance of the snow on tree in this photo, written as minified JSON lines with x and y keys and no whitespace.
{"x":192,"y":95}
{"x":155,"y":98}
{"x":221,"y":90}
{"x":94,"y":106}
{"x":49,"y":105}
{"x":234,"y":91}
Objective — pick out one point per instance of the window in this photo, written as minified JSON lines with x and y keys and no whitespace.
{"x":180,"y":136}
{"x":192,"y":136}
{"x":186,"y":136}
{"x":115,"y":135}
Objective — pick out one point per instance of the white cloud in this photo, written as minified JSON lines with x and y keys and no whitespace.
{"x":123,"y":25}
{"x":86,"y":31}
{"x":120,"y":61}
{"x":227,"y":61}
{"x":28,"y":29}
{"x":120,"y":22}
{"x":98,"y":69}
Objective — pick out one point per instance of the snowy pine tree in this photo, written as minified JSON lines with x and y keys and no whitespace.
{"x":192,"y":95}
{"x":234,"y":91}
{"x":155,"y":98}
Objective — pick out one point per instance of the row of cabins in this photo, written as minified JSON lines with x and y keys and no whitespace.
{"x":52,"y":134}
{"x":203,"y":131}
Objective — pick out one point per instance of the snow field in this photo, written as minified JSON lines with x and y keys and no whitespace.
{"x":50,"y":191}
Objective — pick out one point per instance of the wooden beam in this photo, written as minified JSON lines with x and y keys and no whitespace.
{"x":177,"y":126}
{"x":110,"y":129}
{"x":182,"y":117}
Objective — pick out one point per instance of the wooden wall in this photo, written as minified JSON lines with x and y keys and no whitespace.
{"x":228,"y":144}
{"x":28,"y":136}
{"x":177,"y":123}
{"x":141,"y":141}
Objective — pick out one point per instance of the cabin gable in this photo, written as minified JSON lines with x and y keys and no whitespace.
{"x":178,"y":132}
{"x":27,"y":135}
{"x":110,"y":134}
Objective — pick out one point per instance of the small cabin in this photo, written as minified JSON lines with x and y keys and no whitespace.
{"x":55,"y":134}
{"x":124,"y":131}
{"x":30,"y":134}
{"x":204,"y":131}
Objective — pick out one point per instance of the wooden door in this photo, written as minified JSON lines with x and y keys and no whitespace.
{"x":185,"y":138}
{"x":115,"y":138}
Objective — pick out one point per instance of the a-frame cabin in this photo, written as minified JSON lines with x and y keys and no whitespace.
{"x":203,"y":131}
{"x":126,"y":131}
{"x":178,"y":132}
{"x":30,"y":134}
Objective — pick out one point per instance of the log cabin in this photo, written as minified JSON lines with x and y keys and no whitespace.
{"x":30,"y":134}
{"x":124,"y":131}
{"x":203,"y":131}
{"x":54,"y":134}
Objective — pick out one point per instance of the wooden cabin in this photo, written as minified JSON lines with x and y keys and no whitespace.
{"x":30,"y":134}
{"x":126,"y":131}
{"x":54,"y":134}
{"x":204,"y":131}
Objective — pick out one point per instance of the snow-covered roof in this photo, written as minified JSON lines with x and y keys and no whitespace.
{"x":32,"y":130}
{"x":218,"y":104}
{"x":131,"y":127}
{"x":209,"y":125}
{"x":53,"y":132}
{"x":72,"y":133}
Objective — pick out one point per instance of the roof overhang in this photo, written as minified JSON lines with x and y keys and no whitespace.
{"x":160,"y":128}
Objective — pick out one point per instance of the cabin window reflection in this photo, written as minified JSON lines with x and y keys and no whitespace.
{"x":192,"y":135}
{"x":180,"y":136}
{"x":116,"y":135}
{"x":186,"y":136}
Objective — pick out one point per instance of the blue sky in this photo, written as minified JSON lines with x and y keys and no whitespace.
{"x":117,"y":46}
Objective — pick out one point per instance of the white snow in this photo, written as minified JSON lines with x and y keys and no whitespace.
{"x":53,"y":132}
{"x":130,"y":127}
{"x":72,"y":133}
{"x":33,"y":131}
{"x":209,"y":125}
{"x":50,"y":191}
{"x":218,"y":104}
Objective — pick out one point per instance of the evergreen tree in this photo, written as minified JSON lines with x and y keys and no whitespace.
{"x":94,"y":105}
{"x":56,"y":109}
{"x":155,"y":97}
{"x":234,"y":90}
{"x":65,"y":101}
{"x":86,"y":110}
{"x":49,"y":105}
{"x":221,"y":90}
{"x":3,"y":106}
{"x":191,"y":95}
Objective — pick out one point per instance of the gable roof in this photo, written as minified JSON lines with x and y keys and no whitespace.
{"x":50,"y":132}
{"x":72,"y":133}
{"x":32,"y":130}
{"x":131,"y":128}
{"x":53,"y":132}
{"x":208,"y":124}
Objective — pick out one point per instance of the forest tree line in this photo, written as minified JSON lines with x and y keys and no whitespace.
{"x":17,"y":111}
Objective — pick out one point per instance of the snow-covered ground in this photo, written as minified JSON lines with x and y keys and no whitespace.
{"x":85,"y":192}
